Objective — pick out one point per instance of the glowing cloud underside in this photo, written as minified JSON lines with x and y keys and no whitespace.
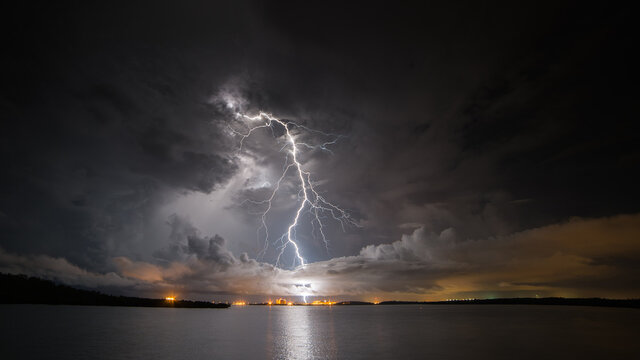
{"x":308,"y":198}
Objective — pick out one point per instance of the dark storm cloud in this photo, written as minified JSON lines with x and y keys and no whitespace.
{"x":209,"y":249}
{"x":104,"y":119}
{"x":489,"y":119}
{"x":467,"y":121}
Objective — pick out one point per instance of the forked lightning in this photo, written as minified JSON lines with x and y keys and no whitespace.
{"x":308,"y":197}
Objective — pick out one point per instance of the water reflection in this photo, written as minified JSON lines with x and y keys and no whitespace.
{"x":291,"y":332}
{"x":269,"y":335}
{"x":296,"y":340}
{"x":304,"y":333}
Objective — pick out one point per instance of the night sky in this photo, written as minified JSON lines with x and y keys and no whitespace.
{"x":481,"y":150}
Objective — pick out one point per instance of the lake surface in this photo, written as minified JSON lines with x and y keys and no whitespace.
{"x":338,"y":332}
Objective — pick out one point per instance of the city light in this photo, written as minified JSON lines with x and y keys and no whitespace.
{"x":323,"y":302}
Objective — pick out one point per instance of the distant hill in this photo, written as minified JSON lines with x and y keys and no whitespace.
{"x":21,"y":289}
{"x":632,"y":303}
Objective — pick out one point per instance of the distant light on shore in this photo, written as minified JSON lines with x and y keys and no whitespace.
{"x":323,"y":302}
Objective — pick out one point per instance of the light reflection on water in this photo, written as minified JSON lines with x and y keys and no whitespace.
{"x":300,"y":339}
{"x":296,"y":341}
{"x":338,"y":332}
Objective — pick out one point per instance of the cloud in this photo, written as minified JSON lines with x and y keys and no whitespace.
{"x":581,"y":257}
{"x":59,"y":269}
{"x":86,"y":191}
{"x":110,"y":132}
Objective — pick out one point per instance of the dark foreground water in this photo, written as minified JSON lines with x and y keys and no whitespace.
{"x":339,"y":332}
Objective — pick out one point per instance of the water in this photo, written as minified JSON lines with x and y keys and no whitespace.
{"x":339,"y":332}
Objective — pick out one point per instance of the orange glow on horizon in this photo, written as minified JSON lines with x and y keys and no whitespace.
{"x":239,"y":303}
{"x":324,"y":302}
{"x":170,"y":298}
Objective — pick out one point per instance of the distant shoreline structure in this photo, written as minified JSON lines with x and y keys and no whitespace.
{"x":627,"y":303}
{"x":22,"y":289}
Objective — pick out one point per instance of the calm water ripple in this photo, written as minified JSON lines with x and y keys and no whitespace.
{"x":339,"y":332}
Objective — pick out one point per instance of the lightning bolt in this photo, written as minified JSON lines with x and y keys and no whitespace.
{"x":308,"y":197}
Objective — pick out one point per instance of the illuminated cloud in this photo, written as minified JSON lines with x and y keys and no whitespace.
{"x":582,"y":257}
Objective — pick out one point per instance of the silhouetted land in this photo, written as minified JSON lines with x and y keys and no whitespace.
{"x":354,"y":303}
{"x":21,"y":289}
{"x":631,"y":303}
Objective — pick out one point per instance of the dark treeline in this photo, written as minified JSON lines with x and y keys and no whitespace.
{"x":632,"y":303}
{"x":21,"y":289}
